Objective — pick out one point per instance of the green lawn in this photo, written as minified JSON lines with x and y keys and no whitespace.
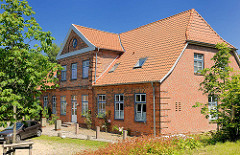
{"x":85,"y":143}
{"x":227,"y":148}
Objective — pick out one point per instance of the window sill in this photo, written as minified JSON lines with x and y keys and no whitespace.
{"x":119,"y":119}
{"x":85,"y":78}
{"x":63,"y":80}
{"x":73,"y":79}
{"x":141,"y":121}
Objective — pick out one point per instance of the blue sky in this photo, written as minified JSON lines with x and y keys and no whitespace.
{"x":122,"y":15}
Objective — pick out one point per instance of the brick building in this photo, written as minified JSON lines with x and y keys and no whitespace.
{"x":146,"y":77}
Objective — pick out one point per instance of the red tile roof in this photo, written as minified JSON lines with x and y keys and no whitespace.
{"x":161,"y":42}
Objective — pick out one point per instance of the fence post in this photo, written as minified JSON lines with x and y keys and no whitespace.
{"x":125,"y":134}
{"x":97,"y":132}
{"x":58,"y":124}
{"x":76,"y":128}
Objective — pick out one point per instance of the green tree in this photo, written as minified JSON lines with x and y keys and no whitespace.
{"x":52,"y":54}
{"x":23,"y":69}
{"x":224,"y":84}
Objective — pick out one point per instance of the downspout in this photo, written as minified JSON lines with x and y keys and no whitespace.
{"x":95,"y":76}
{"x":154,"y":112}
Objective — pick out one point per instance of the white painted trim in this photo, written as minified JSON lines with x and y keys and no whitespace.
{"x":175,"y":64}
{"x":90,"y":47}
{"x":107,"y":68}
{"x":237,"y":57}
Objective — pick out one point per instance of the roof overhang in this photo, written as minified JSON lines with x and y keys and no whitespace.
{"x":90,"y":47}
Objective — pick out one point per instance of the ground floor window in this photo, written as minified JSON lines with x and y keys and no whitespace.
{"x":63,"y":105}
{"x":54,"y":105}
{"x":101,"y":105}
{"x":212,"y":106}
{"x":84,"y":104}
{"x":45,"y":102}
{"x":140,"y":107}
{"x":119,"y":104}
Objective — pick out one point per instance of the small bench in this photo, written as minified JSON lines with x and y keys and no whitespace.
{"x":10,"y":148}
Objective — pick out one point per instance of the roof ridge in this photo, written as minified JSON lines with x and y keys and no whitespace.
{"x":95,"y":29}
{"x":159,"y":20}
{"x":213,"y":29}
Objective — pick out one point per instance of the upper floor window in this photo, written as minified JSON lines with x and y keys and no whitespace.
{"x":198,"y":62}
{"x":45,"y":102}
{"x":119,"y":108}
{"x":74,"y":71}
{"x":140,"y":63}
{"x":54,"y":105}
{"x":64,"y":73}
{"x":140,"y":107}
{"x":212,"y":106}
{"x":101,"y":105}
{"x":85,"y":68}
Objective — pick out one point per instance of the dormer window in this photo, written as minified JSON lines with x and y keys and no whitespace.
{"x":140,"y":62}
{"x":113,"y":68}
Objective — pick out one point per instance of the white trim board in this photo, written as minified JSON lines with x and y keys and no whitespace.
{"x":90,"y":47}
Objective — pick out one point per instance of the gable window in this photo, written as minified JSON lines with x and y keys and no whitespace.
{"x":64,"y":73}
{"x":54,"y":105}
{"x":140,"y":107}
{"x":119,"y":106}
{"x":140,"y":63}
{"x":84,"y":105}
{"x":63,"y":105}
{"x":212,"y":106}
{"x":45,"y":102}
{"x":113,"y":68}
{"x":85,"y":68}
{"x":101,"y":105}
{"x":74,"y":71}
{"x":198,"y":62}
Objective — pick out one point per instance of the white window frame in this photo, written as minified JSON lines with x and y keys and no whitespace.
{"x":140,"y":116}
{"x":101,"y":105}
{"x":64,"y":73}
{"x":198,"y":62}
{"x":212,"y":106}
{"x":74,"y":71}
{"x":54,"y":105}
{"x":63,"y":105}
{"x":84,"y":105}
{"x":45,"y":102}
{"x":118,"y":113}
{"x":85,"y":69}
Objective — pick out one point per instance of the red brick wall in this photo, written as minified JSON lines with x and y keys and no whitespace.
{"x":69,"y":46}
{"x":183,"y":86}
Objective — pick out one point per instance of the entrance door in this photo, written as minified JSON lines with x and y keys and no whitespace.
{"x":74,"y":108}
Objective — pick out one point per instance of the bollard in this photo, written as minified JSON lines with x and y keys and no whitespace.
{"x":125,"y":134}
{"x":59,"y":134}
{"x":76,"y":128}
{"x":58,"y":124}
{"x":97,"y":132}
{"x":88,"y":137}
{"x":44,"y":122}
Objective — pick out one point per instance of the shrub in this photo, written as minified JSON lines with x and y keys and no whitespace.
{"x":88,"y":119}
{"x":53,"y":119}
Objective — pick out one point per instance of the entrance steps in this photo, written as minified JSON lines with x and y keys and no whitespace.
{"x":68,"y":124}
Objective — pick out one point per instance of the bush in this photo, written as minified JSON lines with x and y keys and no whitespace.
{"x":148,"y":145}
{"x":53,"y":119}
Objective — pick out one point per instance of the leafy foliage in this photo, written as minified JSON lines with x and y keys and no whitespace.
{"x":221,"y":81}
{"x":23,"y":69}
{"x":52,"y":54}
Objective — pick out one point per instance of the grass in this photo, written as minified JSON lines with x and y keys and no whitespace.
{"x":85,"y":143}
{"x":227,"y":148}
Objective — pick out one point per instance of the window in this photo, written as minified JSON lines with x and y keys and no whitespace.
{"x":85,"y":68}
{"x":74,"y":104}
{"x":54,"y":105}
{"x":212,"y":106}
{"x":113,"y":68}
{"x":140,"y":63}
{"x":140,"y":107}
{"x":119,"y":107}
{"x":74,"y":71}
{"x":64,"y":73}
{"x":101,"y":105}
{"x":63,"y":105}
{"x":198,"y":62}
{"x":45,"y":102}
{"x":84,"y":104}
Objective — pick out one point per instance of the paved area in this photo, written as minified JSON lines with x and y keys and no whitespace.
{"x":83,"y":134}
